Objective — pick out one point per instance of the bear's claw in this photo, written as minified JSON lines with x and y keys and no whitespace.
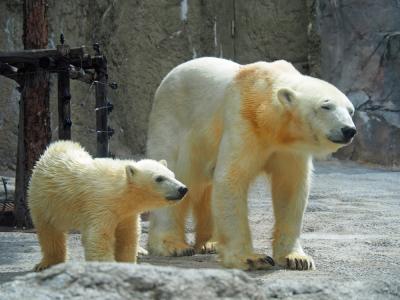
{"x":171,"y":247}
{"x":261,"y":263}
{"x":40,"y":267}
{"x":184,"y":252}
{"x":207,"y":248}
{"x":269,"y":260}
{"x":299,"y":262}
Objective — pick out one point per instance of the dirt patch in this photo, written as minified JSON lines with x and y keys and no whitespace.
{"x":351,"y":228}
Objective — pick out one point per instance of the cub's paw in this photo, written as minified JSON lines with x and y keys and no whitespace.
{"x":174,"y":248}
{"x":207,"y":248}
{"x":250,"y":262}
{"x":295,"y":261}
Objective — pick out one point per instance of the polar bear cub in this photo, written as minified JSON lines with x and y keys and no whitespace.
{"x":102,"y":197}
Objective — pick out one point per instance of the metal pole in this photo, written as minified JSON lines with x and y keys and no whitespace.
{"x":101,"y":83}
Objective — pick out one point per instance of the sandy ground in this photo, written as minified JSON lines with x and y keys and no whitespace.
{"x":351,"y":228}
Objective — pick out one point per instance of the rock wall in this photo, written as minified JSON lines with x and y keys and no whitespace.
{"x":360,"y":53}
{"x":143,"y":40}
{"x":10,"y":39}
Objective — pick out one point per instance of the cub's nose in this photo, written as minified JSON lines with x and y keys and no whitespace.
{"x":182,"y":191}
{"x":349,"y":132}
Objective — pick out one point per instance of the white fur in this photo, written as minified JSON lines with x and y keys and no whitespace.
{"x":199,"y":123}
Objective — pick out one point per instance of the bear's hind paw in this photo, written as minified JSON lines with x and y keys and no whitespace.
{"x":250,"y":262}
{"x":260,"y":263}
{"x":183,"y":252}
{"x":207,"y":248}
{"x":175,"y":248}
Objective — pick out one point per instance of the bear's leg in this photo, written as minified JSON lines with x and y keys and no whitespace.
{"x":204,"y":222}
{"x":99,"y":242}
{"x":53,"y":245}
{"x":290,"y":181}
{"x":232,"y":177}
{"x":126,"y":239}
{"x":167,"y":230}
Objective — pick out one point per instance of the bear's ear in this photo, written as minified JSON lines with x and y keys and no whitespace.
{"x":131,"y":171}
{"x":286,"y":96}
{"x":163,"y":162}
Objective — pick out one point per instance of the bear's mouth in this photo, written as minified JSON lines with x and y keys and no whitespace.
{"x":342,"y":141}
{"x":174,"y":198}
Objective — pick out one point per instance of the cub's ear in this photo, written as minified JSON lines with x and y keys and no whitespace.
{"x":131,"y":171}
{"x":287,"y":96}
{"x":163,"y":162}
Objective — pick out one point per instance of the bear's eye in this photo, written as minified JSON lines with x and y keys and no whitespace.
{"x":159,"y":179}
{"x":326,"y":106}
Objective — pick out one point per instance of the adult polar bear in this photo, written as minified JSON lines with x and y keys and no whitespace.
{"x":219,"y":125}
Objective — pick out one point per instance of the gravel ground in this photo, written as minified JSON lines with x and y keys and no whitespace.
{"x":351,"y":228}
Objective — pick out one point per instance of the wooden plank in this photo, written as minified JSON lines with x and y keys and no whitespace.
{"x":34,"y":56}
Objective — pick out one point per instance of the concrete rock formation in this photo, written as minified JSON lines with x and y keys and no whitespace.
{"x":126,"y":281}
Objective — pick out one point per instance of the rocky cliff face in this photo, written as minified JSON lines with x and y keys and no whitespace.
{"x":349,"y":43}
{"x":360,"y":53}
{"x":143,"y":41}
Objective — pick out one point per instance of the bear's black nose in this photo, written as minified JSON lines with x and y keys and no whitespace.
{"x":349,"y":132}
{"x":182,"y":191}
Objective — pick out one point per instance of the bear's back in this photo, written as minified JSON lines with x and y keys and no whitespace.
{"x":62,"y":156}
{"x":61,"y":168}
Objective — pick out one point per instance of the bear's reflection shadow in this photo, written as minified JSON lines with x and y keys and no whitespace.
{"x":198,"y":261}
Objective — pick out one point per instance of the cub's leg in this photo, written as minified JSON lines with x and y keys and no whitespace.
{"x":290,"y":184}
{"x":126,"y":239}
{"x":204,"y":222}
{"x":167,"y":230}
{"x":53,"y":245}
{"x":98,"y":241}
{"x":232,"y":176}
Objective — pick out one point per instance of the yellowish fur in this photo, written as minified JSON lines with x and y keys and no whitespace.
{"x":71,"y":190}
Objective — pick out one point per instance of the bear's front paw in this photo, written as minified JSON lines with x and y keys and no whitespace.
{"x":249,"y":262}
{"x":296,"y":261}
{"x":207,"y":248}
{"x":41,"y":266}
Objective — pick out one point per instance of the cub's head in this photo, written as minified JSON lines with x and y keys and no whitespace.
{"x":323,"y":113}
{"x":155,"y":182}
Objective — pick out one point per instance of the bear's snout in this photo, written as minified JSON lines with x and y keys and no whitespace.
{"x":178,"y":193}
{"x":182,"y":191}
{"x":348,"y":133}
